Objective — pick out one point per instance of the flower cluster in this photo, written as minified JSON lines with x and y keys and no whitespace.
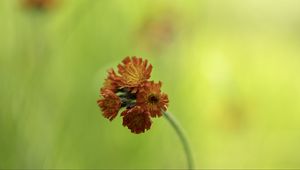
{"x":131,"y":91}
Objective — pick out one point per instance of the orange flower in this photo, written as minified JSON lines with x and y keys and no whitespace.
{"x":134,"y":72}
{"x":131,"y":91}
{"x":113,"y":76}
{"x":151,"y":99}
{"x":136,"y":119}
{"x":110,"y":104}
{"x":110,"y":81}
{"x":39,"y":4}
{"x":108,"y":84}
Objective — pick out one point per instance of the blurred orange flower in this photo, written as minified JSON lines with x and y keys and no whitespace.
{"x":132,"y":91}
{"x":39,"y":4}
{"x":158,"y":31}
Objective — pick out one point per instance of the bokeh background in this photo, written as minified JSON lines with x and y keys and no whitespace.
{"x":231,"y":70}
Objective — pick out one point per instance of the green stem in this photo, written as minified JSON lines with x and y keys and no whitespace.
{"x":180,"y":132}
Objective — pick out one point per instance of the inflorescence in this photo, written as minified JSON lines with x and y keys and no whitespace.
{"x":131,"y":91}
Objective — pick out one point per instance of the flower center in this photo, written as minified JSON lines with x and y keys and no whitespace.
{"x":153,"y":99}
{"x":134,"y":75}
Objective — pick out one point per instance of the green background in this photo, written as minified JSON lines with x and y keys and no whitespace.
{"x":231,"y":70}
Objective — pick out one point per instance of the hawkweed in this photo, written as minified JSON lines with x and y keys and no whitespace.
{"x":157,"y":32}
{"x":40,"y":5}
{"x":130,"y":92}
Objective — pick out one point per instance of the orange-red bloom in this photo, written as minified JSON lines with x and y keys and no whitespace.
{"x":134,"y":72}
{"x":110,"y":81}
{"x":152,"y":100}
{"x":136,"y":119}
{"x":130,"y":90}
{"x":110,"y":104}
{"x":39,"y":4}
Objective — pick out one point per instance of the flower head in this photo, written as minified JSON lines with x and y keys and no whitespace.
{"x":110,"y":104}
{"x":130,"y":90}
{"x":151,"y":99}
{"x":39,"y":4}
{"x":134,"y":72}
{"x":136,"y":119}
{"x":157,"y":32}
{"x":110,"y":81}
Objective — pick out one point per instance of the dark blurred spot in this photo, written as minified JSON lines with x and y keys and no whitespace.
{"x":157,"y":32}
{"x":233,"y":116}
{"x":39,"y":5}
{"x":153,"y":99}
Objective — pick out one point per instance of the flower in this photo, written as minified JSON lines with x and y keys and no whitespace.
{"x":131,"y":91}
{"x":39,"y":4}
{"x":108,"y":84}
{"x":110,"y":81}
{"x":110,"y":104}
{"x":134,"y":72}
{"x":136,"y":119}
{"x":157,"y":32}
{"x":151,"y":99}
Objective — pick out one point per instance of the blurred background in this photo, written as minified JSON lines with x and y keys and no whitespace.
{"x":231,"y":70}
